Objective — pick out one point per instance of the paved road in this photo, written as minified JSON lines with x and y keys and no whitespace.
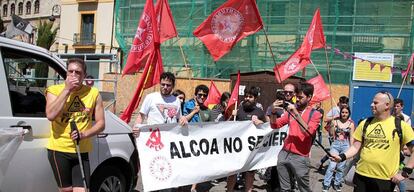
{"x":259,"y":186}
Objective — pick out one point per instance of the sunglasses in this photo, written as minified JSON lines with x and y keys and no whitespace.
{"x":201,"y":95}
{"x":288,"y":92}
{"x":165,"y":85}
{"x":386,"y":93}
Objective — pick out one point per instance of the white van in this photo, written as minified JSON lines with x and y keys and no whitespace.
{"x":25,"y":71}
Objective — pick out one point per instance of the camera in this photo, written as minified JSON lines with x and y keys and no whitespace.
{"x":281,"y":96}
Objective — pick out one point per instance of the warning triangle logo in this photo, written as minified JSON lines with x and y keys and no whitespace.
{"x":377,"y":133}
{"x":76,"y":105}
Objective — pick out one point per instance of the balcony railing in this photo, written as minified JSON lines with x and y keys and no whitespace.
{"x":80,"y":39}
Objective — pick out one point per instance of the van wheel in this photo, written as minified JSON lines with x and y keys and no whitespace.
{"x":108,"y":179}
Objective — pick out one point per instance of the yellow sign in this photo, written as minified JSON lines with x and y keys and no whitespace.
{"x":362,"y":67}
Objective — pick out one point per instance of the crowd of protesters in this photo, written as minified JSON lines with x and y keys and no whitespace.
{"x":292,"y":107}
{"x":369,"y":141}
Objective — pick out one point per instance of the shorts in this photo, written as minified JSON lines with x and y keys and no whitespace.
{"x":66,"y":168}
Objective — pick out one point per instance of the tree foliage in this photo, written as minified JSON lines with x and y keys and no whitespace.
{"x":45,"y":34}
{"x":45,"y":38}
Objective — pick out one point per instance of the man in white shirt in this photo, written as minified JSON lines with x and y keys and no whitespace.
{"x":398,"y":110}
{"x":160,"y":107}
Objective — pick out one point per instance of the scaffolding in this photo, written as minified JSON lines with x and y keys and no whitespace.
{"x":375,"y":26}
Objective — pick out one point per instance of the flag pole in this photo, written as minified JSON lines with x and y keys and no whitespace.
{"x":410,"y":62}
{"x":329,"y":75}
{"x":314,"y":67}
{"x":235,"y":108}
{"x":184,"y":58}
{"x":402,"y":84}
{"x":273,"y":56}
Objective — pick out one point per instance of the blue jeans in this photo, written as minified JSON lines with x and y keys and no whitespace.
{"x":401,"y":186}
{"x":336,"y":148}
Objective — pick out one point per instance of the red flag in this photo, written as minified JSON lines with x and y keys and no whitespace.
{"x":314,"y":39}
{"x":227,"y":25}
{"x":213,"y":97}
{"x":234,"y":97}
{"x":166,"y":25}
{"x":321,"y":91}
{"x":150,"y":77}
{"x":144,"y":41}
{"x":289,"y":67}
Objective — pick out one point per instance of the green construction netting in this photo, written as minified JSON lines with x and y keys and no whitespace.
{"x":375,"y":26}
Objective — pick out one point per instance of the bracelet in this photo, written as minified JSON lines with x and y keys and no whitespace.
{"x":342,"y":156}
{"x":407,"y":170}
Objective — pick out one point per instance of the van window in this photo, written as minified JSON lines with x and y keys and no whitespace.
{"x":28,"y":76}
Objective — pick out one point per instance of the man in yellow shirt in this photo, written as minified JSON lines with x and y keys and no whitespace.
{"x":377,"y":169}
{"x":72,"y":101}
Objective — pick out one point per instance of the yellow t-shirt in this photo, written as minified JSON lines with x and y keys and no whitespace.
{"x":78,"y":107}
{"x":380,"y":154}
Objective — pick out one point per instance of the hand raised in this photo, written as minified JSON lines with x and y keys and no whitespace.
{"x":72,"y":83}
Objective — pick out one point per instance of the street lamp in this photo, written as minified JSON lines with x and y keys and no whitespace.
{"x":55,"y":12}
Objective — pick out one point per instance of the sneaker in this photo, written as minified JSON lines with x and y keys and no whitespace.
{"x":320,"y":167}
{"x":214,"y":182}
{"x":193,"y":190}
{"x":325,"y":188}
{"x":337,"y":188}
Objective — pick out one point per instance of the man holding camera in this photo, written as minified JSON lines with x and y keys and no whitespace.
{"x":287,"y":94}
{"x":303,"y":121}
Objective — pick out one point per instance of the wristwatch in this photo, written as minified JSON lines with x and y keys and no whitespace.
{"x":406,"y":172}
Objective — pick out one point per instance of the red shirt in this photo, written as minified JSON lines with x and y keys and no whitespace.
{"x":299,"y":141}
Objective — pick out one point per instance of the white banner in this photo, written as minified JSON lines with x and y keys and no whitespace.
{"x":172,"y":156}
{"x":10,"y":140}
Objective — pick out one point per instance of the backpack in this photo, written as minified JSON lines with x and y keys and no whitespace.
{"x":397,"y":129}
{"x":349,"y":172}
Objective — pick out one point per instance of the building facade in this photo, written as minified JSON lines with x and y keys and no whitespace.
{"x":32,"y":11}
{"x":86,"y":32}
{"x":374,"y":26}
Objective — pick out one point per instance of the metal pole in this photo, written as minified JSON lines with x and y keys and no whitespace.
{"x":73,"y":127}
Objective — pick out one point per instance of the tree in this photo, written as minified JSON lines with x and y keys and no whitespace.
{"x":45,"y":38}
{"x":45,"y":35}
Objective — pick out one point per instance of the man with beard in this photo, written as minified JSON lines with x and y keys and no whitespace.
{"x":248,"y":112}
{"x":293,"y":159}
{"x":160,"y":107}
{"x":194,"y":109}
